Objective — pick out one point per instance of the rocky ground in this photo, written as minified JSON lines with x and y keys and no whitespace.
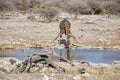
{"x":92,"y":31}
{"x":93,"y":72}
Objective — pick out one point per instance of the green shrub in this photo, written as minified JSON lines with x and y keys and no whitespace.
{"x":100,"y":11}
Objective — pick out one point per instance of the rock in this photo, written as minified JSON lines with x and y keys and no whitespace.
{"x":116,"y":65}
{"x":12,"y":61}
{"x":6,"y":64}
{"x":77,"y":77}
{"x":2,"y":75}
{"x":99,"y":65}
{"x":86,"y":75}
{"x":116,"y":62}
{"x":116,"y":47}
{"x":53,"y":78}
{"x":3,"y":70}
{"x":45,"y":77}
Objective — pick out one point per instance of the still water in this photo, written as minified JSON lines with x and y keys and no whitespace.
{"x":97,"y":56}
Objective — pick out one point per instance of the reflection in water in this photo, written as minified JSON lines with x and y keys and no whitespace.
{"x":98,"y":56}
{"x":68,"y":54}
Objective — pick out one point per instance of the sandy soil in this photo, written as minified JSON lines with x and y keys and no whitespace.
{"x":92,"y":31}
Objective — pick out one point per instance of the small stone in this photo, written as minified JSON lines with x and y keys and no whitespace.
{"x":53,"y":78}
{"x":1,"y":72}
{"x":116,"y":65}
{"x":116,"y":62}
{"x":2,"y":69}
{"x":86,"y":75}
{"x":77,"y":77}
{"x":12,"y":61}
{"x":45,"y":77}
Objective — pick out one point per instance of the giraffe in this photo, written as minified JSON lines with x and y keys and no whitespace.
{"x":64,"y":27}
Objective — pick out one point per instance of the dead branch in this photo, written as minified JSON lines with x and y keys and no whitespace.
{"x":40,"y":58}
{"x":61,"y":58}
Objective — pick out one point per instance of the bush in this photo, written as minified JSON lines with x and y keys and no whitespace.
{"x":112,"y":8}
{"x":100,"y":11}
{"x":50,"y":14}
{"x":78,"y":8}
{"x":62,"y":4}
{"x":33,"y":3}
{"x":117,"y":1}
{"x":84,"y":9}
{"x":95,"y":6}
{"x":75,"y":7}
{"x":47,"y":11}
{"x":6,"y":5}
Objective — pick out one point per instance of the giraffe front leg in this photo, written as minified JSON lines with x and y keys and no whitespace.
{"x":74,"y":38}
{"x":56,"y":37}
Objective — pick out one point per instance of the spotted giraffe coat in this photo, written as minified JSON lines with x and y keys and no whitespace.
{"x":64,"y":27}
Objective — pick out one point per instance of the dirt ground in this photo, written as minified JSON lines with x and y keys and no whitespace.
{"x":93,"y":72}
{"x":92,"y":31}
{"x":34,"y":76}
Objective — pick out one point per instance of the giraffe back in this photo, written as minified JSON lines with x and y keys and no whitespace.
{"x":65,"y":27}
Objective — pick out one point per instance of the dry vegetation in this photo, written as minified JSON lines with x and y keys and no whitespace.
{"x":43,"y":7}
{"x":21,"y":22}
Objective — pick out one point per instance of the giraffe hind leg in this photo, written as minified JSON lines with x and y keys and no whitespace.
{"x":74,"y":38}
